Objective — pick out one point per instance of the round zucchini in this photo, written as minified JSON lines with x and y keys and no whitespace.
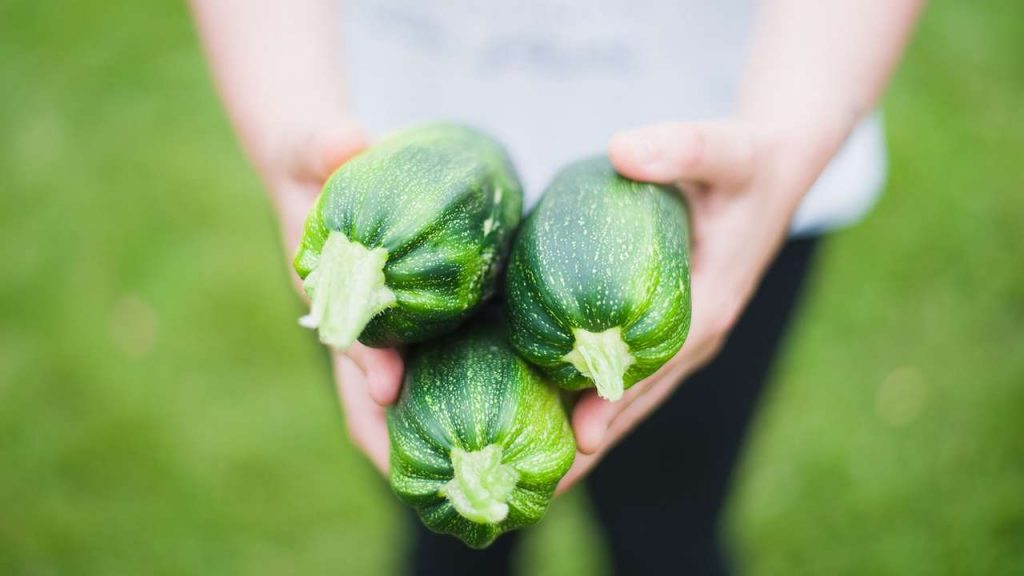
{"x":598,"y":287}
{"x":407,"y":237}
{"x":479,"y":440}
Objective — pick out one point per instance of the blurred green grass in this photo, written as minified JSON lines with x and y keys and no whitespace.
{"x":161,"y":411}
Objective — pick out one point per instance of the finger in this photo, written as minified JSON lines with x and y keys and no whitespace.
{"x":590,"y":419}
{"x":581,"y":466}
{"x":638,"y":401}
{"x":383,"y":369}
{"x":323,"y":152}
{"x":711,"y":152}
{"x":592,"y":416}
{"x":365,"y":420}
{"x":661,"y":387}
{"x":600,"y":423}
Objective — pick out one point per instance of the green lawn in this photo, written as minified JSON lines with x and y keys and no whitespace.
{"x":162,"y":412}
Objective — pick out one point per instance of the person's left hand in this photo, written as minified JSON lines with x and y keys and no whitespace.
{"x":295,"y":169}
{"x":742,"y":184}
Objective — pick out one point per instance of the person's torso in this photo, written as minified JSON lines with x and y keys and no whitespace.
{"x":554,"y":79}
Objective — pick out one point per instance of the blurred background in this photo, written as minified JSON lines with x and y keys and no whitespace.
{"x":162,"y":412}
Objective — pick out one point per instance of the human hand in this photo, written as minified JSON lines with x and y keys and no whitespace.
{"x":368,"y":379}
{"x":742,"y":183}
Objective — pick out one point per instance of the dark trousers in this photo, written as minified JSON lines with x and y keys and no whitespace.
{"x":659,"y":493}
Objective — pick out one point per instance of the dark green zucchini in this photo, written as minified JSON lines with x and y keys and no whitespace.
{"x":407,"y":238}
{"x":479,"y":440}
{"x":598,"y":287}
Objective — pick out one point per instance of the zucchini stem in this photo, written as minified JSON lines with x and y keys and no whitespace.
{"x":347,"y":288}
{"x":604,"y":358}
{"x":481,"y":484}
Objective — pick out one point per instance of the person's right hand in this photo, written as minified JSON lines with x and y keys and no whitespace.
{"x":368,"y":379}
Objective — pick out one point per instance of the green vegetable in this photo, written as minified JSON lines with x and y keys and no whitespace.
{"x":407,"y":238}
{"x":479,"y":440}
{"x":598,"y":287}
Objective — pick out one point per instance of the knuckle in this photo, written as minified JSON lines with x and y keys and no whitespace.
{"x":694,"y":148}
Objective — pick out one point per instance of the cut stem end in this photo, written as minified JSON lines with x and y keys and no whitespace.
{"x":604,"y":358}
{"x":347,"y":288}
{"x":481,"y":484}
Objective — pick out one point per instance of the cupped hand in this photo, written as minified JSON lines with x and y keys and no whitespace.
{"x":742,"y":185}
{"x":368,"y":379}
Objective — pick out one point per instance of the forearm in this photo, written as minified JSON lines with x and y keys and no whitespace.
{"x":817,"y":66}
{"x":277,"y":69}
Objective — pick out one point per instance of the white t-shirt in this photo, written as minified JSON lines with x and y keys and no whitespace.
{"x":554,"y":79}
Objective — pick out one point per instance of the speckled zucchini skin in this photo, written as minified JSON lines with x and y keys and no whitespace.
{"x":600,"y":251}
{"x":467,"y":391}
{"x":443,"y":200}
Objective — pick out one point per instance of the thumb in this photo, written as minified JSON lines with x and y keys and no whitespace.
{"x":710,"y":152}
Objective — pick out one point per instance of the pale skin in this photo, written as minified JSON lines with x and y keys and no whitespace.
{"x":816,"y":67}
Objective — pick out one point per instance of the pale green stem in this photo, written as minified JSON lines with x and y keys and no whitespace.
{"x":347,"y":288}
{"x":604,"y":358}
{"x":481,"y":484}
